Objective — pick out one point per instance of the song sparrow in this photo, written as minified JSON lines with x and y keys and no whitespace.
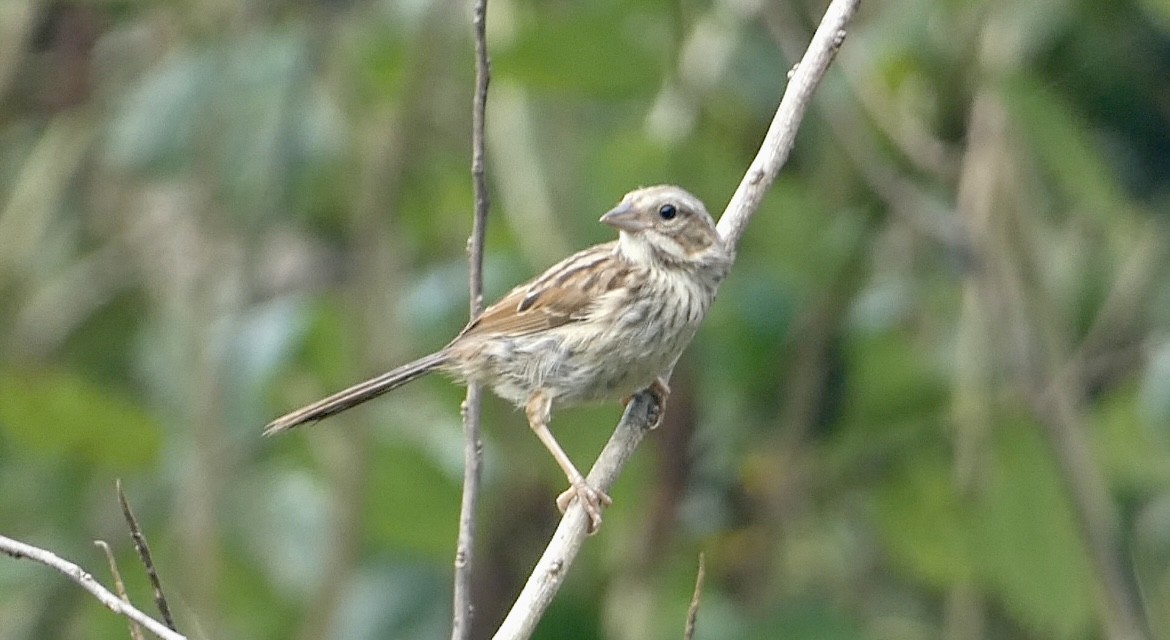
{"x":602,"y":324}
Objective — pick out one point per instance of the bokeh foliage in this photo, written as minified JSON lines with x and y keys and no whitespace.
{"x":930,"y":402}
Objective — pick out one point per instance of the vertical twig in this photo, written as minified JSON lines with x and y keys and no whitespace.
{"x":119,"y":586}
{"x":483,"y":75}
{"x":473,"y":447}
{"x":143,"y":550}
{"x":693,"y":610}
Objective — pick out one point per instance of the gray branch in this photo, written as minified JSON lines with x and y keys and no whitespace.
{"x":20,"y":550}
{"x":473,"y":444}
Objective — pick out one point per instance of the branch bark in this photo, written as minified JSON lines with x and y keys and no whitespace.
{"x":473,"y":444}
{"x":549,"y":573}
{"x":693,"y":610}
{"x":119,"y":586}
{"x":22,"y":551}
{"x":143,"y":549}
{"x":781,"y":134}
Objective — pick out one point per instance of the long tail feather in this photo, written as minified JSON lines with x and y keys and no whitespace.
{"x":357,"y":394}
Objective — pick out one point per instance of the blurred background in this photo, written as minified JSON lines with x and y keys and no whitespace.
{"x":932,"y":400}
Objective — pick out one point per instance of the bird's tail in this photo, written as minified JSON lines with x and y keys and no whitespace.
{"x":358,"y":393}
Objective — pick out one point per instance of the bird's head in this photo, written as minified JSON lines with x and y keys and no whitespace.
{"x":666,"y":225}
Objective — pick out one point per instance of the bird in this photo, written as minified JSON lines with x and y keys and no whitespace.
{"x":602,"y":324}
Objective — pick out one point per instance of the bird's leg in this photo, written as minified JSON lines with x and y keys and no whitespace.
{"x":537,"y":409}
{"x":660,"y":391}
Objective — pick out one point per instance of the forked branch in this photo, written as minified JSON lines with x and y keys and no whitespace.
{"x":20,"y":550}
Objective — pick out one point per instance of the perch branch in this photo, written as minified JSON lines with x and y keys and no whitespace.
{"x":550,"y":570}
{"x":20,"y":550}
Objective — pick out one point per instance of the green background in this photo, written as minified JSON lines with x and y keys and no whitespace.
{"x":931,"y":401}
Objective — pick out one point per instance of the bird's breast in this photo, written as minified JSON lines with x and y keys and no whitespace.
{"x":630,"y":335}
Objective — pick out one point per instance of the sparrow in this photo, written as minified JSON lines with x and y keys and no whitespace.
{"x":604,"y":323}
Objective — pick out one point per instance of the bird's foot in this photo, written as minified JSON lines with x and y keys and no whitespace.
{"x":591,"y":499}
{"x":659,"y":391}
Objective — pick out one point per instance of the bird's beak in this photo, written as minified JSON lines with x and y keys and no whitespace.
{"x":624,"y":217}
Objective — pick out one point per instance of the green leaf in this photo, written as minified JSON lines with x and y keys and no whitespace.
{"x":58,"y":413}
{"x":1129,"y":437}
{"x":924,"y":525}
{"x":1158,"y":11}
{"x":810,"y":620}
{"x":413,"y":500}
{"x":583,"y":50}
{"x":1028,"y":547}
{"x":1151,"y":559}
{"x":1017,"y":539}
{"x":1062,"y":140}
{"x":890,"y":379}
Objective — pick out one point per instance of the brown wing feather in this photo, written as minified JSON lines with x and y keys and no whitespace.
{"x":560,"y":295}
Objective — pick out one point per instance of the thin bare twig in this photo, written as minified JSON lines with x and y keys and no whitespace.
{"x":904,"y":198}
{"x":548,"y":575}
{"x":693,"y":610}
{"x":119,"y":586}
{"x":143,"y":550}
{"x":781,"y":134}
{"x":473,"y":444}
{"x":483,"y":74}
{"x":463,"y":608}
{"x":22,"y":551}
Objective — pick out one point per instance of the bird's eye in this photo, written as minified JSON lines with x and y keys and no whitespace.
{"x":667,"y":211}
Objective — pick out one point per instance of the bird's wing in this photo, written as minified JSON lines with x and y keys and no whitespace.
{"x":562,"y":294}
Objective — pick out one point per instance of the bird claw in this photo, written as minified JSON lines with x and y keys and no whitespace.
{"x":659,"y":391}
{"x":591,"y":499}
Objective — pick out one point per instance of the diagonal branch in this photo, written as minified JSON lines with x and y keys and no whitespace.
{"x":550,"y":570}
{"x":143,"y":549}
{"x":20,"y":550}
{"x":781,"y":134}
